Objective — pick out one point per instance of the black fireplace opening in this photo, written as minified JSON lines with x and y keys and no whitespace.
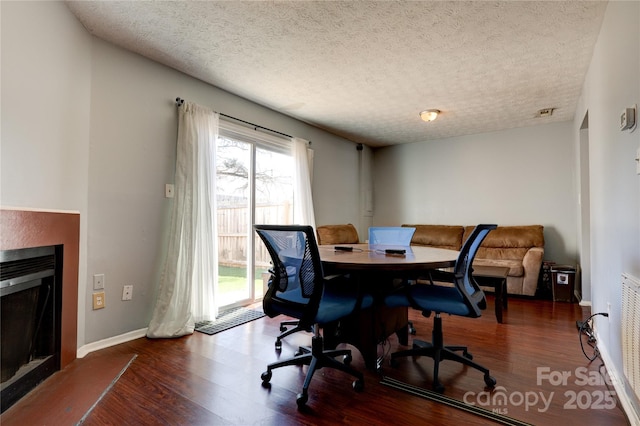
{"x":30,"y":308}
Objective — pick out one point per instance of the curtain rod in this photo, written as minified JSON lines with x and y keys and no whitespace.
{"x":180,"y":101}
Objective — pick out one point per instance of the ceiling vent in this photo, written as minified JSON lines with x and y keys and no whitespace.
{"x":546,"y":112}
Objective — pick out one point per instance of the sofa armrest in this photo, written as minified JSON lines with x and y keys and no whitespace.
{"x":532,"y":262}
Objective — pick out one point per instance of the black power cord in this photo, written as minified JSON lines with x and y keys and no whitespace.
{"x":584,"y":327}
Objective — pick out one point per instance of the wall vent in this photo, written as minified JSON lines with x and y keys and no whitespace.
{"x":631,"y":331}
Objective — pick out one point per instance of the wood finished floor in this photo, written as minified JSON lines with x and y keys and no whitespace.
{"x":215,"y":380}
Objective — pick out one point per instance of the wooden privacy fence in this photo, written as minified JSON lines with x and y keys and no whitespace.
{"x":234,"y":226}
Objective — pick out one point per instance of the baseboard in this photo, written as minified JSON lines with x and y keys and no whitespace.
{"x":628,"y":404}
{"x":111,"y":341}
{"x":586,"y":303}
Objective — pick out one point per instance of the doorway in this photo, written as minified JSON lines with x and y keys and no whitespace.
{"x":254,"y":184}
{"x":584,"y":216}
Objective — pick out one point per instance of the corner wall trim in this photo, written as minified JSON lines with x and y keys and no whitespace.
{"x":111,"y":341}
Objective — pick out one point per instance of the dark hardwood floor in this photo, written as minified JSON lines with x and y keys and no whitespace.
{"x":215,"y":380}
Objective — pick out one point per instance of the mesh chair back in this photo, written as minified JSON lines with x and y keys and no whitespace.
{"x":463,"y":271}
{"x":296,"y":282}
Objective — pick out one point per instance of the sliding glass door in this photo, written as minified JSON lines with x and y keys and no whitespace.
{"x":254,"y":184}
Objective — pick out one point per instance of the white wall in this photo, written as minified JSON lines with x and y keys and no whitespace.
{"x":613,"y":83}
{"x":512,"y":177}
{"x":98,"y":125}
{"x":46,"y":74}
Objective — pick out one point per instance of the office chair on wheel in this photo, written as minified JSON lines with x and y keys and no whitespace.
{"x":465,"y":298}
{"x":308,"y":296}
{"x":327,"y":234}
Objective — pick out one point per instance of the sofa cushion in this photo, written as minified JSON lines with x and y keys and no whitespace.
{"x":440,"y":236}
{"x":516,"y":268}
{"x":511,"y":237}
{"x":499,"y":253}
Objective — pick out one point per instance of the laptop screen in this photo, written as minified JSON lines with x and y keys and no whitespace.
{"x":392,"y":236}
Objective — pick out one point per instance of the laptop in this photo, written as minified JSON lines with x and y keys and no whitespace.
{"x":391,"y":236}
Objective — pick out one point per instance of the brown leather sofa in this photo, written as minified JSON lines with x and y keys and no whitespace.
{"x":520,"y":248}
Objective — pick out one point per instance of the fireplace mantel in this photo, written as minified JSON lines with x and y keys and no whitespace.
{"x":36,"y":228}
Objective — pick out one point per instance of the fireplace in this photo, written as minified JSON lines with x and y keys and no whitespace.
{"x":30,"y":303}
{"x":37,"y":230}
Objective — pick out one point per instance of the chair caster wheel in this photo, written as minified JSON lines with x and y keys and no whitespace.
{"x":283,"y":328}
{"x":358,"y":385}
{"x":298,"y":352}
{"x":302,"y":399}
{"x":278,"y":345}
{"x":266,"y":377}
{"x":438,"y":387}
{"x":347,"y":359}
{"x":489,"y":381}
{"x":467,"y":355}
{"x":412,"y":329}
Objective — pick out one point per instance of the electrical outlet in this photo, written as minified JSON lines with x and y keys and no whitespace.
{"x":127,"y":292}
{"x":168,"y":190}
{"x":98,"y":300}
{"x":98,"y":282}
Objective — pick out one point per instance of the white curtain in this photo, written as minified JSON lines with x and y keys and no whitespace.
{"x":186,"y":292}
{"x":303,"y":201}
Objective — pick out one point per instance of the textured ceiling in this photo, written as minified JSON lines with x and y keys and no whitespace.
{"x":364,"y":70}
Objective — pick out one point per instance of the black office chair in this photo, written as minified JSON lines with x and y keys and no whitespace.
{"x":309,"y":297}
{"x":327,"y":234}
{"x":465,"y":298}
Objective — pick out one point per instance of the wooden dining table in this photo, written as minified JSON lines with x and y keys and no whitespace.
{"x":365,"y":257}
{"x":377,"y":272}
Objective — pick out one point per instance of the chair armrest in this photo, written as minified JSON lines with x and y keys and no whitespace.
{"x":337,"y":282}
{"x":330,"y":278}
{"x":440,"y":275}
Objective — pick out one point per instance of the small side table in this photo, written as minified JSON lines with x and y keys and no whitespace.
{"x":496,"y":277}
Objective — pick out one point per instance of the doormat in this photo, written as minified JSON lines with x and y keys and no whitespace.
{"x":451,"y":402}
{"x":228,"y":319}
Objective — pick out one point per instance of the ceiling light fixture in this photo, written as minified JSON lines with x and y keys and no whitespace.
{"x":429,"y":114}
